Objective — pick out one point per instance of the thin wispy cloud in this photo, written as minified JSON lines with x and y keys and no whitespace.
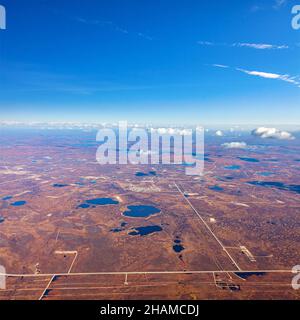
{"x":279,"y":3}
{"x":272,"y":5}
{"x":258,"y":46}
{"x":220,"y":65}
{"x":255,"y":8}
{"x":206,"y":43}
{"x":145,"y":36}
{"x":115,"y":27}
{"x":295,"y":80}
{"x":261,"y":74}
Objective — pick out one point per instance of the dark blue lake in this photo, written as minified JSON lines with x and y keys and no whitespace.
{"x":7,"y":198}
{"x":233,"y":167}
{"x":178,"y":248}
{"x":248,"y":159}
{"x":59,"y":185}
{"x":83,"y":206}
{"x":143,"y":174}
{"x":18,"y":203}
{"x":102,"y":201}
{"x":97,"y":202}
{"x":140,"y":211}
{"x":144,"y":231}
{"x":116,"y":230}
{"x":216,"y":188}
{"x":277,"y":185}
{"x":245,"y":275}
{"x":122,"y":228}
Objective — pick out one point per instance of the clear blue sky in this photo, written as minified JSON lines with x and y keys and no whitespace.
{"x":191,"y":61}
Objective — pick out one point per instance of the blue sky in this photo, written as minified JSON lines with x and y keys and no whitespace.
{"x":191,"y":61}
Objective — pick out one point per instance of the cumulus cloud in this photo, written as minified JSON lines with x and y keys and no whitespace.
{"x":219,"y":133}
{"x":235,"y":145}
{"x":272,"y":133}
{"x":171,"y":131}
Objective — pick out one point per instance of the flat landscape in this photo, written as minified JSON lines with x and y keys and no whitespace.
{"x":73,"y":229}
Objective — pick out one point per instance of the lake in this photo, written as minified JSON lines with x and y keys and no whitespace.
{"x":277,"y":185}
{"x":144,"y":231}
{"x":18,"y":203}
{"x":232,"y":167}
{"x":140,"y":211}
{"x":97,"y":202}
{"x":249,"y":159}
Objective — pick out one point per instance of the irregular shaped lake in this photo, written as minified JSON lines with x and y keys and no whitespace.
{"x":216,"y":188}
{"x":143,"y":174}
{"x":245,"y":275}
{"x":233,"y":167}
{"x":178,"y":248}
{"x":18,"y":203}
{"x":140,"y":211}
{"x":59,"y":185}
{"x":144,"y":231}
{"x":277,"y":185}
{"x":97,"y":202}
{"x":7,"y":198}
{"x":249,"y":159}
{"x":102,"y":201}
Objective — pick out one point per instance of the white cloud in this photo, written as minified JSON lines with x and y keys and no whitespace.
{"x":260,"y":46}
{"x":274,"y":4}
{"x":235,"y":145}
{"x":220,"y":65}
{"x":206,"y":43}
{"x":111,"y":25}
{"x":272,"y":133}
{"x":172,"y":131}
{"x":279,"y":3}
{"x":295,"y":80}
{"x":219,"y":133}
{"x":283,"y":77}
{"x":261,"y":74}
